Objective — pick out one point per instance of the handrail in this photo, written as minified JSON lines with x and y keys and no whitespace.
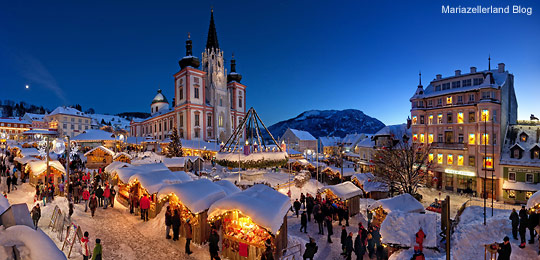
{"x":291,"y":252}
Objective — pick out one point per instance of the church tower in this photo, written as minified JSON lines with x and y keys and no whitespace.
{"x":216,"y":94}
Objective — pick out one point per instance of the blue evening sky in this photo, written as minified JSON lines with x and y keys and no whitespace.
{"x":293,"y":55}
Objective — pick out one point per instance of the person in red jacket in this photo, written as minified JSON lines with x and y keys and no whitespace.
{"x":106,"y":195}
{"x":85,"y":197}
{"x":144,"y":205}
{"x":84,"y":246}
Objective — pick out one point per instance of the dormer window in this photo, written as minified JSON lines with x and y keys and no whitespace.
{"x":516,"y":151}
{"x":523,"y":137}
{"x":535,"y":152}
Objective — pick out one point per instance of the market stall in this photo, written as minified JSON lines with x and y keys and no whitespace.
{"x":193,"y":199}
{"x":121,"y":175}
{"x":398,"y":229}
{"x":333,"y":174}
{"x":122,"y":157}
{"x":38,"y":171}
{"x":534,"y":201}
{"x":248,"y":218}
{"x":372,"y":189}
{"x":176,"y":163}
{"x":100,"y":156}
{"x":346,"y":192}
{"x":403,"y":203}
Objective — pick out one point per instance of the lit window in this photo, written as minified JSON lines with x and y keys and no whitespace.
{"x":529,"y":178}
{"x":439,"y":119}
{"x":485,"y":115}
{"x":430,"y":157}
{"x":460,"y":118}
{"x":220,"y":121}
{"x":488,"y":162}
{"x":528,"y":194}
{"x":415,"y":137}
{"x":439,"y":158}
{"x":472,"y":139}
{"x":430,"y":119}
{"x":449,"y":100}
{"x":460,"y":160}
{"x":422,"y":138}
{"x":414,"y":120}
{"x":449,"y":159}
{"x":485,"y":138}
{"x":512,"y":194}
{"x":430,"y":138}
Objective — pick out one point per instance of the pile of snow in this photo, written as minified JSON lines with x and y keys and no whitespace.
{"x":344,"y":191}
{"x":196,"y":195}
{"x":32,"y":244}
{"x":228,"y":187}
{"x":404,"y":203}
{"x":38,"y":167}
{"x":533,"y":200}
{"x":101,"y":147}
{"x":399,"y":228}
{"x":264,"y":205}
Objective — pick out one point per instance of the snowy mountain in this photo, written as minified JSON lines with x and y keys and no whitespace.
{"x":329,"y":123}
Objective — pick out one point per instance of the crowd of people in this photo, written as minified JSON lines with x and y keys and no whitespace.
{"x":526,"y":219}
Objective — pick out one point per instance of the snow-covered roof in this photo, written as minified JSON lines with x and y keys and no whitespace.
{"x":34,"y":117}
{"x":533,"y":200}
{"x":371,"y":186}
{"x":346,"y":171}
{"x":4,"y":204}
{"x":125,"y":173}
{"x":519,"y":185}
{"x":14,"y":120}
{"x":228,"y":186}
{"x":363,"y":177}
{"x":197,"y":195}
{"x":404,"y":203}
{"x":26,"y":159}
{"x":344,"y":191}
{"x":400,"y":228}
{"x":38,"y":167}
{"x":94,"y":135}
{"x":153,"y":181}
{"x":329,"y":140}
{"x":264,"y":205}
{"x":200,"y":145}
{"x":302,"y":135}
{"x":160,"y":98}
{"x":183,"y":176}
{"x":194,"y":158}
{"x":103,"y":148}
{"x":67,"y":111}
{"x":40,"y":131}
{"x":175,"y":161}
{"x":368,"y":143}
{"x":29,"y":152}
{"x":32,"y":244}
{"x":513,"y":139}
{"x":120,"y":154}
{"x":115,"y":166}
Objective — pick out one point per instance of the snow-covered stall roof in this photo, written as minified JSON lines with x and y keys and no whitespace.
{"x":264,"y":205}
{"x":103,"y":148}
{"x":194,"y":158}
{"x":32,"y":244}
{"x":38,"y":167}
{"x":115,"y":166}
{"x":228,"y":186}
{"x":183,"y":176}
{"x":29,"y":152}
{"x":94,"y":135}
{"x":4,"y":204}
{"x":124,"y":174}
{"x":344,"y":191}
{"x":196,"y":195}
{"x":120,"y":154}
{"x":404,"y":203}
{"x":153,"y":181}
{"x":533,"y":200}
{"x":371,"y":186}
{"x":176,"y":162}
{"x":363,"y":177}
{"x":26,"y":159}
{"x":399,"y":228}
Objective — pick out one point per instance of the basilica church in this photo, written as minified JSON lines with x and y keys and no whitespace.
{"x":208,"y":102}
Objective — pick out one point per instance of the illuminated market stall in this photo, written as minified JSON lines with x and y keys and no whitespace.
{"x":193,"y":199}
{"x":333,"y":174}
{"x":122,"y":157}
{"x":248,"y":218}
{"x":346,"y":192}
{"x":403,"y":203}
{"x":372,"y":189}
{"x":38,"y":172}
{"x":534,"y":201}
{"x":100,"y":156}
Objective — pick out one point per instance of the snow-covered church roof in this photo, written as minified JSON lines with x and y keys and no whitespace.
{"x":159,"y":98}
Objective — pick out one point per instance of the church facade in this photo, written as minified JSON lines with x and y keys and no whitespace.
{"x":208,"y":103}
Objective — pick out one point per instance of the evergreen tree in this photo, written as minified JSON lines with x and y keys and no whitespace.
{"x":174,"y":149}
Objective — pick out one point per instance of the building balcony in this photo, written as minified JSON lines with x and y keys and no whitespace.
{"x":450,"y":146}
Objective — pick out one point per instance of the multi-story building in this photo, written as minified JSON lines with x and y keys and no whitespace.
{"x":68,"y":121}
{"x":299,"y":140}
{"x":207,"y":105}
{"x":14,"y":127}
{"x":520,"y":163}
{"x":464,"y":118}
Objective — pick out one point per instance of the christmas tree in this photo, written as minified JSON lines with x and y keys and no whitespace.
{"x":174,"y":149}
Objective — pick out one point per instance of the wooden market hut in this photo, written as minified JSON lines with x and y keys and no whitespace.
{"x":194,"y":164}
{"x":248,"y":218}
{"x":176,"y":163}
{"x":38,"y":171}
{"x":372,"y":189}
{"x":403,"y":203}
{"x":193,"y":199}
{"x":346,"y":192}
{"x":100,"y":156}
{"x":122,"y":157}
{"x":333,"y":174}
{"x":112,"y":168}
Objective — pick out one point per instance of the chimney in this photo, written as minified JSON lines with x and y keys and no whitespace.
{"x":439,"y":76}
{"x":473,"y":69}
{"x":458,"y":72}
{"x":501,"y":67}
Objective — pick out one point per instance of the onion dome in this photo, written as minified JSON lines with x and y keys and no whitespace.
{"x":189,"y":60}
{"x":160,"y":98}
{"x":233,"y":76}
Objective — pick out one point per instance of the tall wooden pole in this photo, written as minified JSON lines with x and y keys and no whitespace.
{"x":448,"y":227}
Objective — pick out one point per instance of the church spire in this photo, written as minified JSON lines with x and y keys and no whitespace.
{"x":189,"y":60}
{"x":233,"y":75}
{"x":189,"y":46}
{"x":420,"y":79}
{"x":212,"y":41}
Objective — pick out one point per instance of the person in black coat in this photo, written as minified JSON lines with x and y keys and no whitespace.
{"x":346,"y":215}
{"x":168,"y":222}
{"x":99,"y":195}
{"x":523,"y":217}
{"x":505,"y":250}
{"x":533,"y":222}
{"x":311,"y":249}
{"x":213,"y":241}
{"x":359,"y":247}
{"x":309,"y":207}
{"x":348,"y":246}
{"x":8,"y":183}
{"x":303,"y":222}
{"x":343,"y":239}
{"x":329,"y":228}
{"x":319,"y":217}
{"x":515,"y":223}
{"x":175,"y":221}
{"x":296,"y":206}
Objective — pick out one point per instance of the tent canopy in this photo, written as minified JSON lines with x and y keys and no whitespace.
{"x":533,"y":200}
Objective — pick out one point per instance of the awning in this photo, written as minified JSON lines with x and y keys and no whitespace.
{"x":518,"y":185}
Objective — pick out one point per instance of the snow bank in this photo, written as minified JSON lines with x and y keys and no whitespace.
{"x":533,"y":200}
{"x":32,"y":244}
{"x":38,"y":167}
{"x":196,"y":195}
{"x":344,"y":191}
{"x":400,"y":228}
{"x":264,"y":205}
{"x":228,"y":187}
{"x":404,"y":203}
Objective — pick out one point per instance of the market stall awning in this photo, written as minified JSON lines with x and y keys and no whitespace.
{"x":264,"y":205}
{"x":125,"y":173}
{"x":153,"y":181}
{"x":523,"y":186}
{"x":344,"y":191}
{"x":404,"y":203}
{"x":175,"y":162}
{"x":363,"y":177}
{"x":196,"y":195}
{"x":38,"y":167}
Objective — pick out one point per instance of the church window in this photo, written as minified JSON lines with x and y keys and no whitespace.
{"x":220,"y":121}
{"x":181,"y":90}
{"x":196,"y":91}
{"x":209,"y":120}
{"x":197,"y":119}
{"x":240,"y":100}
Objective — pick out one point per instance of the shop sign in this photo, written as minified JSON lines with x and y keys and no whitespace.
{"x":464,"y":173}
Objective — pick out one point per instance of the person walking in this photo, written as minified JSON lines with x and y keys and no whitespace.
{"x":523,"y":217}
{"x":93,"y":204}
{"x":14,"y":180}
{"x":343,"y":239}
{"x":145,"y":205}
{"x":213,"y":241}
{"x":303,"y":222}
{"x":106,"y":195}
{"x":515,"y":223}
{"x":319,"y":217}
{"x":296,"y":206}
{"x":533,"y":222}
{"x":309,"y":207}
{"x":86,"y":197}
{"x":329,"y":228}
{"x":98,"y":250}
{"x":346,"y":215}
{"x":311,"y":249}
{"x":189,"y":236}
{"x":505,"y":249}
{"x":359,"y":246}
{"x":303,"y":200}
{"x":175,"y":224}
{"x":84,"y":246}
{"x":113,"y":195}
{"x":70,"y":209}
{"x":8,"y":183}
{"x":168,"y":222}
{"x":370,"y":242}
{"x":36,"y":215}
{"x":99,"y":194}
{"x":349,"y":246}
